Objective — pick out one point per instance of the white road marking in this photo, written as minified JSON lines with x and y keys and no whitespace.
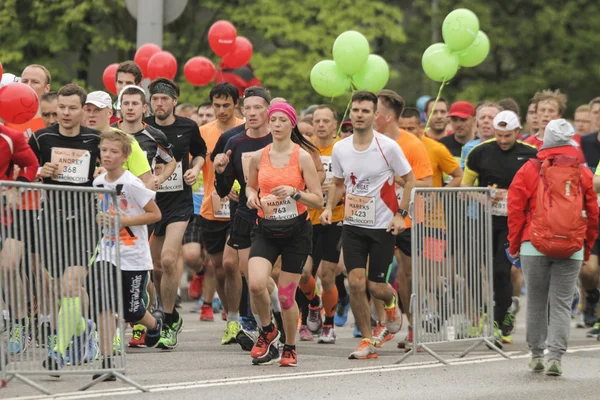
{"x":515,"y":355}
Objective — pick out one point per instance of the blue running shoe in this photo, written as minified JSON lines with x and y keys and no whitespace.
{"x":217,"y":305}
{"x":357,"y":333}
{"x":341,"y":314}
{"x":19,"y":340}
{"x":85,"y":348}
{"x":54,"y":362}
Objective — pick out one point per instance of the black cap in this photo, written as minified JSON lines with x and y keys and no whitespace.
{"x":257,"y":91}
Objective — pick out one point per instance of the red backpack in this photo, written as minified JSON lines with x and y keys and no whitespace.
{"x":558,"y":224}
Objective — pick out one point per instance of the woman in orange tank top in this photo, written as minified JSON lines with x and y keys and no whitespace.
{"x":278,"y":176}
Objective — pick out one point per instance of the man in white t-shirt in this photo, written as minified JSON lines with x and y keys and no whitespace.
{"x":136,"y":208}
{"x":365,"y":166}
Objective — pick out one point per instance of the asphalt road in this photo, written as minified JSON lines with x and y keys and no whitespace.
{"x":201,"y":368}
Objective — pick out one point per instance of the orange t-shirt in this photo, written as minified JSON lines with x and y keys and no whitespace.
{"x":415,"y":152}
{"x":338,"y":211}
{"x":441,"y":160}
{"x":30,"y":200}
{"x":211,"y":133}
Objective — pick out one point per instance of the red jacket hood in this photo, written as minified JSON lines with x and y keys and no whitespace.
{"x":554,"y":151}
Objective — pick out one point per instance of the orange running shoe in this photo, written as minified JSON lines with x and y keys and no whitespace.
{"x":264,"y":342}
{"x":206,"y":313}
{"x":365,"y":350}
{"x":289,"y":358}
{"x":381,"y":335}
{"x":195,"y":287}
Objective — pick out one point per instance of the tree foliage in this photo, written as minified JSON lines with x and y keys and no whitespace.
{"x":535,"y":44}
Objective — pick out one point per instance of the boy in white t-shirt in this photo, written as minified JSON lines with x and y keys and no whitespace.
{"x":136,"y":209}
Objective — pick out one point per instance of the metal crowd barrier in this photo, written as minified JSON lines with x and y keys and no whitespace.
{"x":53,"y":290}
{"x":452,"y":298}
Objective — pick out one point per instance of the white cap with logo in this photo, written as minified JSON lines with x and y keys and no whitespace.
{"x":99,"y":98}
{"x":506,"y":121}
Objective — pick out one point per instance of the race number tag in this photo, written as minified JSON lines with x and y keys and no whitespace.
{"x":220,"y":206}
{"x":246,"y":164}
{"x":174,"y":183}
{"x":277,"y":209}
{"x":359,"y":210}
{"x":499,"y":202}
{"x":73,"y":164}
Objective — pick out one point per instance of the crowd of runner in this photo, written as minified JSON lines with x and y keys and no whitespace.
{"x":284,"y":221}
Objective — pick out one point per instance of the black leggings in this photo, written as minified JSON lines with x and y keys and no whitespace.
{"x":502,"y":269}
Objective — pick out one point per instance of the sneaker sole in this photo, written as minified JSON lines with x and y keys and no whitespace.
{"x":245,"y":342}
{"x":370,"y":356}
{"x":553,"y":373}
{"x":288,"y":365}
{"x":326,"y":341}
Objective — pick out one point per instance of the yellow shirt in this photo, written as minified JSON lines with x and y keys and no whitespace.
{"x":338,"y":211}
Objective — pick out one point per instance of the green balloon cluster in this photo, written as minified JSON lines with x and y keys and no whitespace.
{"x":352,"y":67}
{"x":464,"y":46}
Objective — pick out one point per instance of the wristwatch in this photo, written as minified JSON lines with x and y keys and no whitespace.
{"x":296,"y":195}
{"x":402,"y":212}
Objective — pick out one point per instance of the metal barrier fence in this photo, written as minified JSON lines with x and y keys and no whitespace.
{"x":452,"y":272}
{"x":60,"y":305}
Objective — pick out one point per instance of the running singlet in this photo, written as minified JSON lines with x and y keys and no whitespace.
{"x":496,"y":168}
{"x":369,"y":177}
{"x":132,"y":197}
{"x":76,"y":156}
{"x":242,"y":147}
{"x":213,"y":206}
{"x":338,"y":211}
{"x":174,"y":193}
{"x":154,"y":144}
{"x":270,"y":177}
{"x":137,"y":162}
{"x":415,"y":152}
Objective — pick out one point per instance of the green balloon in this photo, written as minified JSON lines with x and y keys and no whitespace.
{"x":350,"y":52}
{"x":439,"y":62}
{"x":327,"y":79}
{"x":476,"y":53}
{"x":373,"y":76}
{"x":460,"y":29}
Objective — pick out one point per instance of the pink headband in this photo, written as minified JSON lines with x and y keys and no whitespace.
{"x":286,"y":109}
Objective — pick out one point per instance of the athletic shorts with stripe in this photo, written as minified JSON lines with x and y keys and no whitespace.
{"x":376,"y":245}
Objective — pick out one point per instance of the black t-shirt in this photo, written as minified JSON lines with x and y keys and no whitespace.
{"x":495,"y":166}
{"x":591,"y":150}
{"x":76,"y":156}
{"x":453,"y":145}
{"x":224,"y":138}
{"x":242,"y":146}
{"x":185,"y":138}
{"x":153,"y":143}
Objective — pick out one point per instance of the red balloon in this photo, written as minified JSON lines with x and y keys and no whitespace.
{"x":143,"y":55}
{"x":221,"y":37}
{"x":199,"y":71}
{"x":239,"y":56}
{"x":18,"y":103}
{"x":109,"y":78}
{"x":162,"y":65}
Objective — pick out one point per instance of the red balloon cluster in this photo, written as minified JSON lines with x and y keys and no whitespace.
{"x":199,"y":71}
{"x":109,"y":78}
{"x":162,"y":65}
{"x":18,"y":103}
{"x":143,"y":55}
{"x":236,"y":51}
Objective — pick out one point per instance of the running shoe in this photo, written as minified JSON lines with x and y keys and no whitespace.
{"x":591,"y":304}
{"x":85,"y":347}
{"x":248,"y":334}
{"x":18,"y":341}
{"x":273,"y":356}
{"x":497,"y":336}
{"x":357,"y":333}
{"x":265,"y":341}
{"x":217,"y":305}
{"x":381,"y":335}
{"x":314,"y":319}
{"x":54,"y":362}
{"x":594,"y":332}
{"x":305,"y":334}
{"x":206,"y":313}
{"x":231,"y":331}
{"x":197,"y":307}
{"x":223,"y":315}
{"x":554,"y":368}
{"x":327,"y":335}
{"x":195,"y":287}
{"x":168,"y":337}
{"x":509,"y":324}
{"x":393,"y":317}
{"x":152,"y":336}
{"x":537,"y":365}
{"x":341,"y":313}
{"x":515,"y":306}
{"x":138,"y":339}
{"x":117,"y":342}
{"x":106,"y":364}
{"x":289,"y":357}
{"x":365,"y":350}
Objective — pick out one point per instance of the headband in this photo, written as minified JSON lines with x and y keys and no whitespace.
{"x":141,"y":90}
{"x":163,"y":88}
{"x":285,"y":108}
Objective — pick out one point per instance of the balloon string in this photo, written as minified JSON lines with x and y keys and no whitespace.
{"x":434,"y":104}
{"x":345,"y":114}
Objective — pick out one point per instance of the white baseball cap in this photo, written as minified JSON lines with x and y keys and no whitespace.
{"x":100,"y":99}
{"x":8,"y":78}
{"x":506,"y":121}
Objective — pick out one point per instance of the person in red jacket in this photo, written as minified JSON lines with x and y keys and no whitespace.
{"x":550,"y":281}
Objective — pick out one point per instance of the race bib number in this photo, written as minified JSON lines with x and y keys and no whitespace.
{"x":221,"y":207}
{"x":359,"y":210}
{"x":174,"y":183}
{"x":73,"y":164}
{"x":246,"y":164}
{"x":277,"y":209}
{"x":499,"y":203}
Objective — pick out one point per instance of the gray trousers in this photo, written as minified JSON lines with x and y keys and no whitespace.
{"x":550,"y":282}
